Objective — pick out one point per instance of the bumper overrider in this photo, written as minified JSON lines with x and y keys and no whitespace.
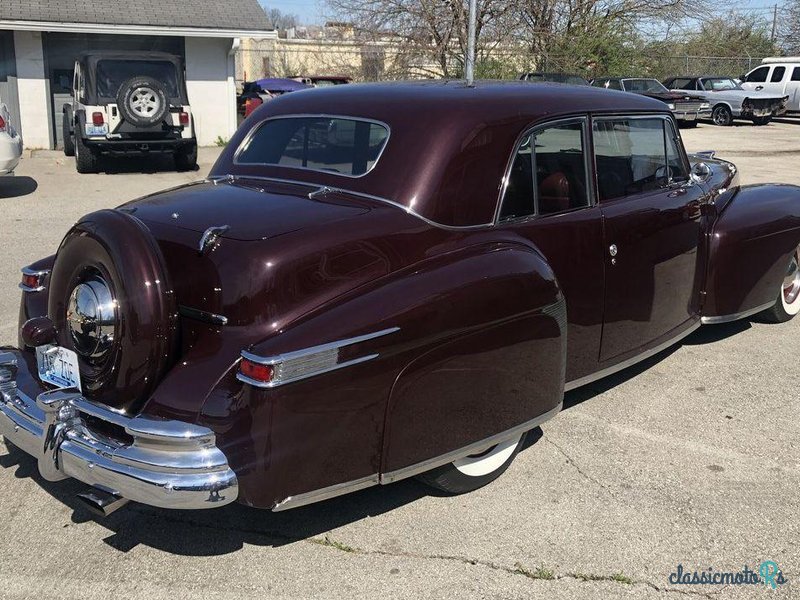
{"x":169,"y":464}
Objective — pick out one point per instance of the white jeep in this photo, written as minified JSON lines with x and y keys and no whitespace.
{"x":128,"y":103}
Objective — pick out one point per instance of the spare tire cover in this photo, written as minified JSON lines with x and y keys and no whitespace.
{"x":113,"y":252}
{"x":142,"y":101}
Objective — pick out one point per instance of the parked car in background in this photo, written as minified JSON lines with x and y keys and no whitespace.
{"x":128,"y":104}
{"x":350,"y":299}
{"x":567,"y":78}
{"x":322,"y":80}
{"x":687,"y":108}
{"x":255,"y":93}
{"x":729,"y":101}
{"x":10,"y":142}
{"x":777,"y":75}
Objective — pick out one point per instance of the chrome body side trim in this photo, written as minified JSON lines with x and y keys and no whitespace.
{"x":576,"y":383}
{"x":309,"y":362}
{"x":326,"y":493}
{"x":169,"y":464}
{"x":202,"y":315}
{"x":716,"y":320}
{"x":482,"y":445}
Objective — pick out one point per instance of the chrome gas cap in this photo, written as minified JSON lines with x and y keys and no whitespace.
{"x":92,"y":317}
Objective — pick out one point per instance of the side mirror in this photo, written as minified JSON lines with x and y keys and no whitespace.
{"x":701,"y":172}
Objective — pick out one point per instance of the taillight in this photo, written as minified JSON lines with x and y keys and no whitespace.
{"x":251,"y":104}
{"x":32,"y":281}
{"x":184,"y":118}
{"x":2,"y":124}
{"x":258,"y":373}
{"x":98,"y":119}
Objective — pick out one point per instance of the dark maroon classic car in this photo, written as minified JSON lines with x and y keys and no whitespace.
{"x":377,"y":282}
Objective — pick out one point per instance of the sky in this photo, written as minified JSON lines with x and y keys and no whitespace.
{"x":311,"y":12}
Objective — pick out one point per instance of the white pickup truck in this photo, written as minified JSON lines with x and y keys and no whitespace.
{"x":10,"y":142}
{"x":779,"y":75}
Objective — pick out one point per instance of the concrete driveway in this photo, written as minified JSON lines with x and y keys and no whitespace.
{"x":692,"y":459}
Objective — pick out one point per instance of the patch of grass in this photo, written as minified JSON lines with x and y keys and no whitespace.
{"x":220,"y":141}
{"x":617,"y":577}
{"x":326,"y":541}
{"x":538,"y":573}
{"x":621,"y":578}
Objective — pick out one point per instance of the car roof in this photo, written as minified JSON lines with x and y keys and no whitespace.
{"x":448,"y":141}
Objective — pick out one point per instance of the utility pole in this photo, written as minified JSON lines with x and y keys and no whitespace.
{"x":774,"y":22}
{"x":469,"y":66}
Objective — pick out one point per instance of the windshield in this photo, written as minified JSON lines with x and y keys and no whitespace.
{"x":111,"y":74}
{"x":717,"y":84}
{"x":644,"y":85}
{"x":336,"y":145}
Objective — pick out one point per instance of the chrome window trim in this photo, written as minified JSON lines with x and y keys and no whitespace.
{"x":250,"y":134}
{"x":584,"y":120}
{"x":33,"y":272}
{"x":230,"y":178}
{"x":306,"y":352}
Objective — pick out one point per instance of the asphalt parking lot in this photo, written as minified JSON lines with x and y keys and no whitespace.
{"x":691,"y":458}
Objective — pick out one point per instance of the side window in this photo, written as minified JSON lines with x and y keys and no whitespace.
{"x":777,"y":74}
{"x":614,"y":84}
{"x":632,"y":157}
{"x":549,"y":173}
{"x":758,"y":76}
{"x":796,"y":74}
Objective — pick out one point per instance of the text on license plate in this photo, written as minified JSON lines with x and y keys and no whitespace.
{"x":58,"y":366}
{"x":96,"y":129}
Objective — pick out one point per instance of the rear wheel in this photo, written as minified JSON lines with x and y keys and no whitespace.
{"x":69,"y":142}
{"x":761,"y":120}
{"x":85,"y":159}
{"x":186,"y":159}
{"x":722,"y":115}
{"x":472,"y":472}
{"x":788,"y":303}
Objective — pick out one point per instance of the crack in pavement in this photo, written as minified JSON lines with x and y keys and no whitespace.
{"x":572,"y":462}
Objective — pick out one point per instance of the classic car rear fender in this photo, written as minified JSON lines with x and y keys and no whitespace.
{"x":471,"y":344}
{"x":750,"y":248}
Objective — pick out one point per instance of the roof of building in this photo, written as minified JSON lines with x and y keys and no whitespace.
{"x":245,"y":15}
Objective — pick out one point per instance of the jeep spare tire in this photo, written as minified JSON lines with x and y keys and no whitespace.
{"x":142,"y":101}
{"x":112,"y":304}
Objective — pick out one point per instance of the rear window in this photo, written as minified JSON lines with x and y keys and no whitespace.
{"x":344,"y":146}
{"x":111,"y":74}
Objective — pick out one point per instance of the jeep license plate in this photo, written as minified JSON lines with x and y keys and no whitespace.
{"x":96,"y":129}
{"x":58,"y":366}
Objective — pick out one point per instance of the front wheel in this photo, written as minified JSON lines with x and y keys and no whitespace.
{"x":761,"y":120}
{"x":722,"y":115}
{"x":476,"y":470}
{"x":69,"y":142}
{"x":788,"y":303}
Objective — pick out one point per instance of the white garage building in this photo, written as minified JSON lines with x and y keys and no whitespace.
{"x":39,"y":40}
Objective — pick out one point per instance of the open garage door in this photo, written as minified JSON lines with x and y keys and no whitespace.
{"x":8,"y":76}
{"x":61,"y":49}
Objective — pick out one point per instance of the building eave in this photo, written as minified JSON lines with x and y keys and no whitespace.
{"x":103,"y":28}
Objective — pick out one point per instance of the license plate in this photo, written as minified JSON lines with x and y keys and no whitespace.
{"x":96,"y":129}
{"x":690,"y":117}
{"x":58,"y":366}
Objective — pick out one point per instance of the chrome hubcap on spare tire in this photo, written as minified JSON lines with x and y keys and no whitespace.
{"x":92,"y":317}
{"x":144,"y":102}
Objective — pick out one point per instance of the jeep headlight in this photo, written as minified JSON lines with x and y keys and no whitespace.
{"x":671,"y":106}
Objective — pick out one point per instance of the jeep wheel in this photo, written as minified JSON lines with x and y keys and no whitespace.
{"x":69,"y":143}
{"x":186,"y":158}
{"x":85,"y":159}
{"x":142,"y":101}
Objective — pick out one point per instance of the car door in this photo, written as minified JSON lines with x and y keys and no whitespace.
{"x":549,"y":201}
{"x":757,"y":78}
{"x":793,"y":89}
{"x":653,"y":226}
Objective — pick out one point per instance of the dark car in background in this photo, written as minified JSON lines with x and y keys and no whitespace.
{"x":687,"y":108}
{"x":542,"y":76}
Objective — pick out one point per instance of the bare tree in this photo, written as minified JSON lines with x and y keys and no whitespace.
{"x":280,"y":20}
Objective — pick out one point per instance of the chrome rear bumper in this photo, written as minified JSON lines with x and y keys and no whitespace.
{"x":169,"y":464}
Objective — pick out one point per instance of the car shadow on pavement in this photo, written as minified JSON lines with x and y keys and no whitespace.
{"x":17,"y":186}
{"x":228,"y":529}
{"x":156,"y":163}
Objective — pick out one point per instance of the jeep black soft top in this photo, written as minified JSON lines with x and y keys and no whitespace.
{"x":105,"y":71}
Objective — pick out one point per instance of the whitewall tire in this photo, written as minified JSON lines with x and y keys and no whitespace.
{"x":788,"y":303}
